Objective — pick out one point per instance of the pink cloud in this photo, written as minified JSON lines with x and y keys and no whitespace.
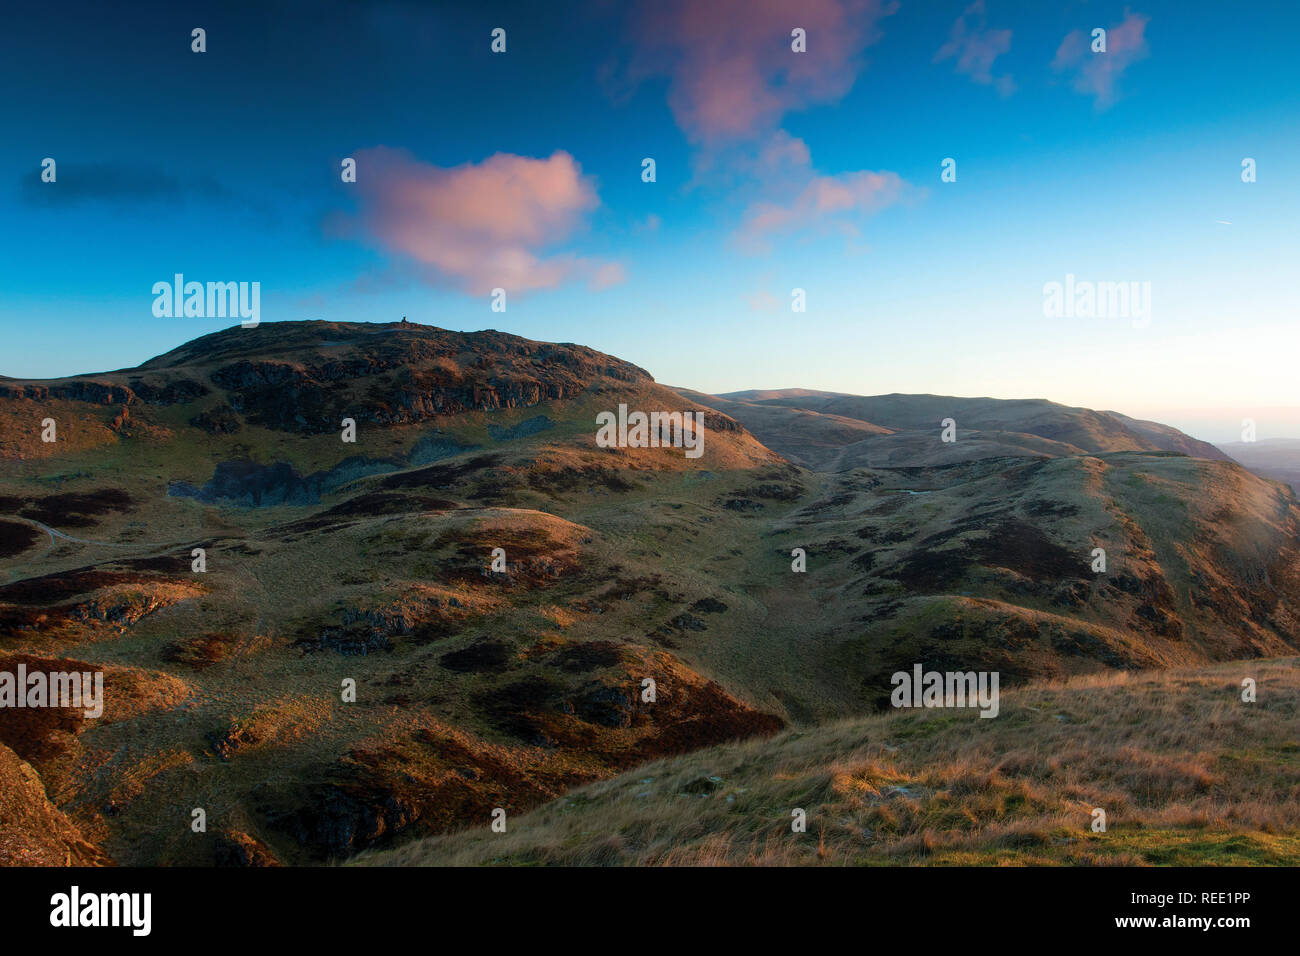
{"x":1096,"y":74}
{"x":732,"y":72}
{"x":733,"y":76}
{"x":781,"y":152}
{"x":838,"y":200}
{"x":975,"y":47}
{"x":479,"y":225}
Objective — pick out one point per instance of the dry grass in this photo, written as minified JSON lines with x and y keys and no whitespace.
{"x":1186,"y":772}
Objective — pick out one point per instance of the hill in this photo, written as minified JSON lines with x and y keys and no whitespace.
{"x":1186,"y":773}
{"x":500,"y":587}
{"x":814,"y":428}
{"x":1277,"y":458}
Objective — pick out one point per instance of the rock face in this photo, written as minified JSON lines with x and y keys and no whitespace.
{"x":33,"y":832}
{"x":221,"y":420}
{"x":174,"y":392}
{"x":78,"y":390}
{"x":288,"y":398}
{"x":384,"y":374}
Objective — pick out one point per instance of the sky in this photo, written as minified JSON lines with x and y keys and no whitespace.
{"x":775,"y":170}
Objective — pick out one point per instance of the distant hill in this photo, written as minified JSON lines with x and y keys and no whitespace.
{"x":897,"y":430}
{"x":768,"y":394}
{"x":1277,"y":458}
{"x":807,"y":437}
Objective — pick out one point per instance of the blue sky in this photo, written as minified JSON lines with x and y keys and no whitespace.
{"x":224,"y":166}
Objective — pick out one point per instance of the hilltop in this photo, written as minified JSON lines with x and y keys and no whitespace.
{"x":304,"y":378}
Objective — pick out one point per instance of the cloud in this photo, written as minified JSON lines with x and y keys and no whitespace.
{"x":763,"y":301}
{"x":1096,"y":74}
{"x":479,"y":226}
{"x":731,"y":72}
{"x":779,"y":153}
{"x":975,"y":47}
{"x":825,"y":201}
{"x":732,"y":76}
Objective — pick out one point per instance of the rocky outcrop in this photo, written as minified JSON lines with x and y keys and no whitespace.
{"x":389,"y":375}
{"x":176,"y":391}
{"x":172,"y":392}
{"x":78,"y":390}
{"x":33,"y":831}
{"x":289,"y":398}
{"x":236,"y":848}
{"x":221,"y":420}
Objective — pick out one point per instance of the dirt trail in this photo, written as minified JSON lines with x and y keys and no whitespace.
{"x":56,"y":533}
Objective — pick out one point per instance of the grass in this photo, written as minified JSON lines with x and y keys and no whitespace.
{"x":1186,"y":772}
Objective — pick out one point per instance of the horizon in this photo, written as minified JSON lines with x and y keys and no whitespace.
{"x":1217,"y":426}
{"x":796,"y":175}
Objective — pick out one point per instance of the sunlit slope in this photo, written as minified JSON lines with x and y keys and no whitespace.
{"x":1183,"y":770}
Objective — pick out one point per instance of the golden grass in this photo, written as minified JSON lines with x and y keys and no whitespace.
{"x":1186,"y":772}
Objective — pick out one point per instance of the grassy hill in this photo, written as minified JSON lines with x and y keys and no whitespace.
{"x":372,"y":562}
{"x":1186,"y":772}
